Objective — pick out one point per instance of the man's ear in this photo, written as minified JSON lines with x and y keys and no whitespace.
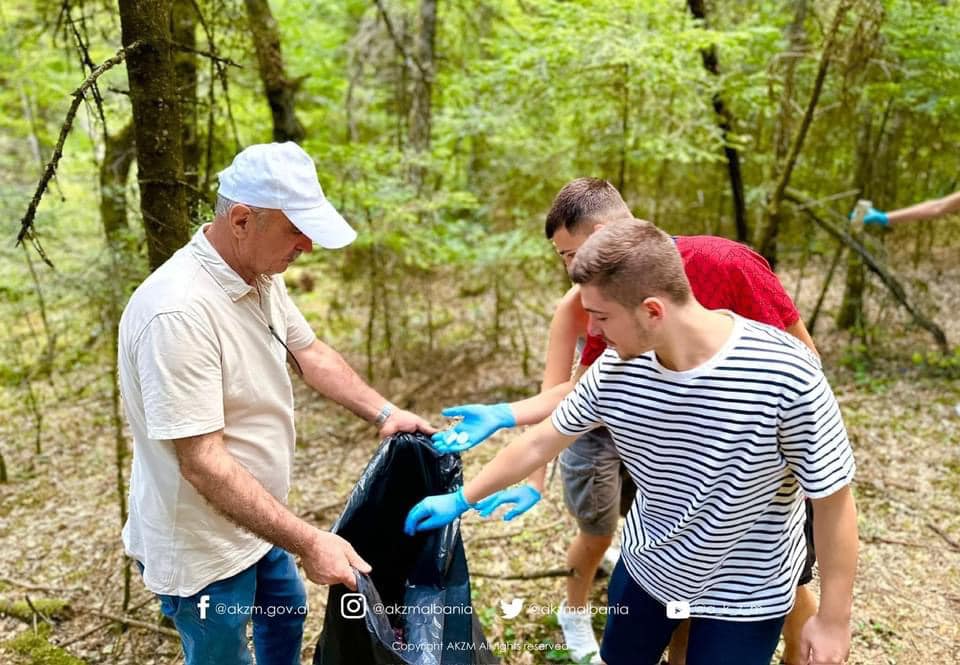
{"x":652,"y":308}
{"x":597,"y":227}
{"x":240,"y":218}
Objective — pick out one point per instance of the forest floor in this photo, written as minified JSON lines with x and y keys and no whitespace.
{"x":59,"y":521}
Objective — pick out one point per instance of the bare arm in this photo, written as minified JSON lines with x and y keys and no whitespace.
{"x":927,"y":209}
{"x":539,"y":477}
{"x":207,"y":465}
{"x":532,"y":450}
{"x":568,"y":323}
{"x":835,"y":533}
{"x":480,"y":421}
{"x":799,"y":330}
{"x":328,"y":373}
{"x":538,"y":408}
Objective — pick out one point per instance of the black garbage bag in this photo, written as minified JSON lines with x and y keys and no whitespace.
{"x":414,"y":608}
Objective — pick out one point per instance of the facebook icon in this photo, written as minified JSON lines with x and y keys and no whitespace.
{"x":203,"y":605}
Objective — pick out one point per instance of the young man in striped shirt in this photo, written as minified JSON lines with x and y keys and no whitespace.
{"x":724,"y":425}
{"x":723,"y":274}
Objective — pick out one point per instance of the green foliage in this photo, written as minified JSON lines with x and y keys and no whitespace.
{"x":938,"y":364}
{"x":37,"y":650}
{"x":857,"y":358}
{"x":525,"y":97}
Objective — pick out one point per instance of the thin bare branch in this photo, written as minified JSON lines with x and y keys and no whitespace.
{"x":407,"y":57}
{"x":535,"y":575}
{"x":127,"y":621}
{"x":874,"y":265}
{"x":101,"y":626}
{"x":26,"y":224}
{"x":86,"y":62}
{"x":877,"y":540}
{"x":943,"y":535}
{"x":206,"y":54}
{"x":807,"y":120}
{"x":36,"y":612}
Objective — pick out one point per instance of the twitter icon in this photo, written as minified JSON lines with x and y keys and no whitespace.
{"x":512,"y":609}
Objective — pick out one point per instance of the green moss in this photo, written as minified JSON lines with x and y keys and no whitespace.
{"x":37,"y":650}
{"x":950,"y":480}
{"x":52,"y":608}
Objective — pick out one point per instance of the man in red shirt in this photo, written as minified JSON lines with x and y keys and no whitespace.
{"x":723,"y":275}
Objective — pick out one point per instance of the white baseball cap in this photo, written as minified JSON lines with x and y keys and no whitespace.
{"x":282,"y":176}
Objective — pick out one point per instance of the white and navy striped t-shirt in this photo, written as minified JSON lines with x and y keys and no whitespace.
{"x":720,"y":454}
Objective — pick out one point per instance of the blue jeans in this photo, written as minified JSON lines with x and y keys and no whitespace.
{"x":639,"y":636}
{"x":213,"y":622}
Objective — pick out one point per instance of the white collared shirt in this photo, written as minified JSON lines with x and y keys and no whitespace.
{"x":196,"y":355}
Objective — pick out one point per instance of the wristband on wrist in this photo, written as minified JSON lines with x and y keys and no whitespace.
{"x":384,"y":414}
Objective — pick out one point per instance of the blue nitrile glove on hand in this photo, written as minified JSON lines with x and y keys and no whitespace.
{"x":435,"y":511}
{"x":479,"y":422}
{"x":524,"y":496}
{"x":874,"y":216}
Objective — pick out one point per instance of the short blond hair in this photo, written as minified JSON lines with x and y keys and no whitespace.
{"x":631,"y":260}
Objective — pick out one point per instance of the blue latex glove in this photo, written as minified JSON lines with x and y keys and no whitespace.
{"x":479,"y":422}
{"x":874,"y":216}
{"x":524,"y":496}
{"x":435,"y":511}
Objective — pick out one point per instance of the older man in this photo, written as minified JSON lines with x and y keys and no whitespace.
{"x":204,"y":344}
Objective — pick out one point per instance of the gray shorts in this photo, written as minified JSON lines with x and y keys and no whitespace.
{"x":596,"y":487}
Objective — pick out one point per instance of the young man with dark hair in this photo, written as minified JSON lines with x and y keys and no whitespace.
{"x":723,"y":275}
{"x":724,"y":424}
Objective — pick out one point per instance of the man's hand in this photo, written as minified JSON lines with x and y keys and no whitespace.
{"x":479,"y":422}
{"x":435,"y":511}
{"x":329,"y":559}
{"x":874,"y":216}
{"x":405,"y":421}
{"x":524,"y":496}
{"x":826,"y":642}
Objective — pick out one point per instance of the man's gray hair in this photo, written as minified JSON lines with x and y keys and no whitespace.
{"x":224,"y":205}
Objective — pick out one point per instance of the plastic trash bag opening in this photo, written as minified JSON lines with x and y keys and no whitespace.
{"x":415,"y":607}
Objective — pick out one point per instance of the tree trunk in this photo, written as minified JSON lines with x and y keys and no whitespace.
{"x":725,"y":122}
{"x":877,"y":155}
{"x":118,"y":156}
{"x":183,"y":27}
{"x":157,"y":123}
{"x":850,"y":314}
{"x":421,"y":104}
{"x":279,"y":89}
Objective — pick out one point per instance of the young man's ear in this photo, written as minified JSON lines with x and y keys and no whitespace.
{"x":652,"y":308}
